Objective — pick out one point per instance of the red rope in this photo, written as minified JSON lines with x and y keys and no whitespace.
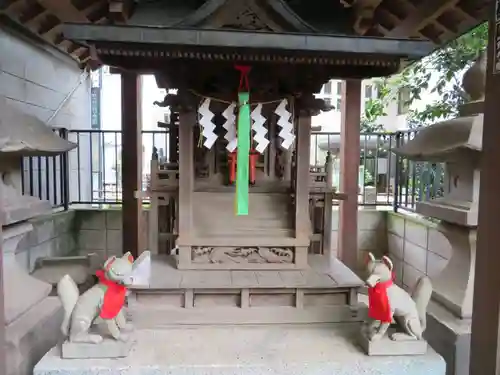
{"x":244,"y":71}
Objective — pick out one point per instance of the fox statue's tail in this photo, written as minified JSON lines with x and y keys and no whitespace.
{"x":68,"y":294}
{"x":422,"y":295}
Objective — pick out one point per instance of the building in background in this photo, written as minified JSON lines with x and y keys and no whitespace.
{"x":110,"y":120}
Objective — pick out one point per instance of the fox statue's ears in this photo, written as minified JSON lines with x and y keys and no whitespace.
{"x":388,"y":262}
{"x":109,"y":263}
{"x":370,"y":258}
{"x":128,"y":256}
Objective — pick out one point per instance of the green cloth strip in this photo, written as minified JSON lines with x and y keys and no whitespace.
{"x":243,"y":154}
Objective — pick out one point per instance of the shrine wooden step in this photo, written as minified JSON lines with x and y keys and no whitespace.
{"x":284,"y":239}
{"x":317,"y":295}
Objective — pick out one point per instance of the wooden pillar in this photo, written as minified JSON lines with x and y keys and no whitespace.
{"x":349,"y":170}
{"x":328,"y":207}
{"x":302,"y":221}
{"x":3,"y":344}
{"x":131,"y":162}
{"x":485,"y":340}
{"x":187,"y":121}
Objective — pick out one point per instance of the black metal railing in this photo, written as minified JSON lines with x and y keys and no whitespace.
{"x":97,"y":163}
{"x":46,"y":177}
{"x":416,"y":181}
{"x":91,"y":173}
{"x":385,"y":179}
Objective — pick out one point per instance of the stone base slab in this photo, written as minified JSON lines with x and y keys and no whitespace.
{"x":31,"y":335}
{"x":450,"y":337}
{"x":108,"y":348}
{"x":246,"y":350}
{"x":387,"y":347}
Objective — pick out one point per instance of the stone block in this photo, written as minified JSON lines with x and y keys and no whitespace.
{"x":395,"y":245}
{"x":435,"y":264}
{"x":439,"y":244}
{"x":92,"y":219}
{"x":92,"y":239}
{"x":370,"y":219}
{"x":114,"y":240}
{"x":109,"y":348}
{"x":410,"y":276}
{"x":387,"y":347}
{"x":416,"y":233}
{"x":396,"y":224}
{"x":114,"y":219}
{"x":368,"y":240}
{"x":415,"y":256}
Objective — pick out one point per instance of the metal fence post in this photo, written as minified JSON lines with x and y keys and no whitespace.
{"x":397,"y":172}
{"x":65,"y":172}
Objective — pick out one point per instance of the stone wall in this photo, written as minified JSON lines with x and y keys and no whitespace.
{"x":372,"y":232}
{"x":416,"y":247}
{"x":36,"y":79}
{"x":52,"y":235}
{"x":99,"y":231}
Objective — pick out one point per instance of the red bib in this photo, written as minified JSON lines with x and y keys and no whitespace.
{"x":114,"y":297}
{"x":378,"y":302}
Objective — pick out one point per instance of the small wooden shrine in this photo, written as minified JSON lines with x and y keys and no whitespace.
{"x":235,"y":191}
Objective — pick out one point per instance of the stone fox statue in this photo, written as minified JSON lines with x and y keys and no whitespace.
{"x":388,"y":301}
{"x":104,"y":300}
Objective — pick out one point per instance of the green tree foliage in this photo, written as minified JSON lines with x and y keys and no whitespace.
{"x":441,"y":73}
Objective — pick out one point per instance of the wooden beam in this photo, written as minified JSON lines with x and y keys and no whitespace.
{"x":349,"y":170}
{"x":424,"y":13}
{"x":131,"y":161}
{"x":120,"y":10}
{"x":485,"y":339}
{"x":3,"y":344}
{"x":64,"y":10}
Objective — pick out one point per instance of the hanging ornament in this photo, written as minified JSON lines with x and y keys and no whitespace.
{"x":243,"y":151}
{"x":207,"y":124}
{"x":230,"y":126}
{"x":259,"y":130}
{"x":286,"y":132}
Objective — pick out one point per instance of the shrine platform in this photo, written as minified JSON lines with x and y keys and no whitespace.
{"x":246,"y":350}
{"x":323,"y":293}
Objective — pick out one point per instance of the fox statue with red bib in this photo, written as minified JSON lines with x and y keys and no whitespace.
{"x":387,"y":301}
{"x":105,"y":301}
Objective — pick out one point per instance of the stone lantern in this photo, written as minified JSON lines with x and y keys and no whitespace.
{"x":457,"y":143}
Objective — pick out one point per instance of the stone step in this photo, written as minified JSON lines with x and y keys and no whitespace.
{"x":247,"y":350}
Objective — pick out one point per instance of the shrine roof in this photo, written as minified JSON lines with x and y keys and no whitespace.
{"x":437,"y":21}
{"x":241,"y":40}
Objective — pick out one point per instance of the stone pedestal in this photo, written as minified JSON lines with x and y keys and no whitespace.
{"x":387,"y":347}
{"x":450,"y":337}
{"x":109,"y":348}
{"x":454,"y":286}
{"x":21,"y":290}
{"x":245,"y":350}
{"x":32,"y":318}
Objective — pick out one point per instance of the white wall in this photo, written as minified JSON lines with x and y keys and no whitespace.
{"x":36,"y":79}
{"x":111,"y":120}
{"x":330,"y":121}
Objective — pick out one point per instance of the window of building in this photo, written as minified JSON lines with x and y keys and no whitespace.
{"x":403,"y":100}
{"x":339,"y":104}
{"x":328,"y":88}
{"x":339,"y":88}
{"x":368,"y":92}
{"x":328,"y":101}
